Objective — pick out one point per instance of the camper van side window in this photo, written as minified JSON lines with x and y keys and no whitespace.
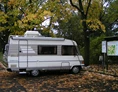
{"x":69,"y":50}
{"x":47,"y":50}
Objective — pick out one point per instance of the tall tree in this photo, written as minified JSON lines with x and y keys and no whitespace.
{"x":88,"y":23}
{"x":12,"y":12}
{"x":18,"y":16}
{"x":3,"y":24}
{"x":110,"y":18}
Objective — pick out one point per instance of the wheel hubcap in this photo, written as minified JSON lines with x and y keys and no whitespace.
{"x":75,"y":70}
{"x":35,"y":72}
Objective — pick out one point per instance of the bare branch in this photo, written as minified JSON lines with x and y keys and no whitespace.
{"x":47,"y":19}
{"x":89,"y":3}
{"x":81,"y":6}
{"x":75,"y":6}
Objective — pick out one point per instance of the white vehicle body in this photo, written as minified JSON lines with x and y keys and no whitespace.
{"x":34,"y":52}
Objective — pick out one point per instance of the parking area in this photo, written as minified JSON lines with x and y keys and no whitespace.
{"x":85,"y":81}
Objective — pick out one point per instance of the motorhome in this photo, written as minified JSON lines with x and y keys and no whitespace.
{"x":33,"y":53}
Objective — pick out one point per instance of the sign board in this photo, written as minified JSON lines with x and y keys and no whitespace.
{"x":103,"y":46}
{"x":112,"y":48}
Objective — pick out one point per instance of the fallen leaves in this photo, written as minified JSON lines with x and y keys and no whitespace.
{"x":6,"y":84}
{"x":112,"y":69}
{"x":85,"y":81}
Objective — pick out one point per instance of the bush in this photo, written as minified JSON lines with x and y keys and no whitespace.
{"x":95,"y":49}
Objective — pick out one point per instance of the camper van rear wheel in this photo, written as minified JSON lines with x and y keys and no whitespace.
{"x":75,"y":69}
{"x":34,"y":73}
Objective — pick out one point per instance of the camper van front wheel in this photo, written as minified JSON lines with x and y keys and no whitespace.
{"x":35,"y":73}
{"x":75,"y":69}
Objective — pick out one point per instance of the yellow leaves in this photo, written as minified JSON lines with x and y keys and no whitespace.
{"x":3,"y":20}
{"x":21,"y":25}
{"x":2,"y":28}
{"x":15,"y":3}
{"x":12,"y":2}
{"x":27,"y":21}
{"x":16,"y":32}
{"x":58,"y":11}
{"x":29,"y":17}
{"x":3,"y":17}
{"x":95,"y":24}
{"x":95,"y":9}
{"x":44,"y":15}
{"x":32,"y":20}
{"x":94,"y":12}
{"x":47,"y":13}
{"x":103,"y":28}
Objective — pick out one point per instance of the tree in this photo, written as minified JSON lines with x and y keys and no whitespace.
{"x":71,"y":30}
{"x":18,"y":16}
{"x":3,"y":25}
{"x":88,"y":23}
{"x":110,"y":17}
{"x":60,"y":13}
{"x":11,"y":16}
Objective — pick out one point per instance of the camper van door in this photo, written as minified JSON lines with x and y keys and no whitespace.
{"x":23,"y":54}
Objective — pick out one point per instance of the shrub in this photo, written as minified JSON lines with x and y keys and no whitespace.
{"x":95,"y":49}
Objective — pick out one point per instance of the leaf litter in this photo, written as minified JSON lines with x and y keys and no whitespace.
{"x":85,"y":81}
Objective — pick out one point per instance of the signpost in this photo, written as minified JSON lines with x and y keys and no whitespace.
{"x":103,"y":46}
{"x":104,"y":51}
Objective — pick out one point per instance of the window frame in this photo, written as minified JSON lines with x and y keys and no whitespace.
{"x":46,"y":49}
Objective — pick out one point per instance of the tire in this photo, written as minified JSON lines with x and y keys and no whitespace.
{"x":75,"y":70}
{"x":34,"y":73}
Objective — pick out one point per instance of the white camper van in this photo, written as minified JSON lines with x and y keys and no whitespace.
{"x":34,"y":53}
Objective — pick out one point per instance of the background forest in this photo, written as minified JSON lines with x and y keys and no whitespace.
{"x":63,"y":20}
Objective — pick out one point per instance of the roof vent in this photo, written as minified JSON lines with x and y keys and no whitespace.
{"x":32,"y":34}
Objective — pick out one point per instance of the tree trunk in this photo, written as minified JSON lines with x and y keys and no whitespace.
{"x":86,"y":32}
{"x":86,"y":48}
{"x":86,"y":43}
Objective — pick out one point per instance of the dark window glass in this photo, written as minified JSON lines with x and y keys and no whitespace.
{"x":69,"y":50}
{"x":47,"y":50}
